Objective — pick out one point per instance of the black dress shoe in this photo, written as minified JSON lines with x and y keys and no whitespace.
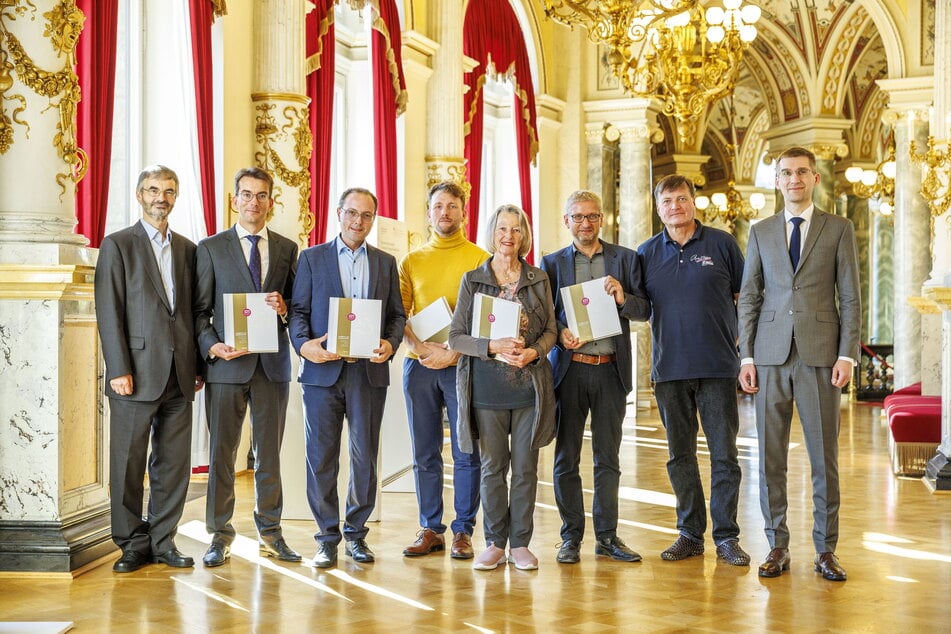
{"x":828,"y":565}
{"x":731,"y":552}
{"x":217,"y":554}
{"x":777,"y":562}
{"x":278,"y":549}
{"x":130,"y":561}
{"x":569,"y":553}
{"x":326,"y":555}
{"x":614,"y":548}
{"x":174,"y":558}
{"x":360,"y":552}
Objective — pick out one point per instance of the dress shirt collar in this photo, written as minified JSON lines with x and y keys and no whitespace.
{"x":243,"y":233}
{"x":152,"y":232}
{"x":340,"y":246}
{"x":805,"y":215}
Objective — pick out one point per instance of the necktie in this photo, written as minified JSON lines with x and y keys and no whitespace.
{"x":795,"y":241}
{"x":254,"y":262}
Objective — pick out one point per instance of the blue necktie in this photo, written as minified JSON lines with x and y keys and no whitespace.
{"x":254,"y":262}
{"x":795,"y":241}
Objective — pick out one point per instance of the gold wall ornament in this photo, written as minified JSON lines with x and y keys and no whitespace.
{"x":446,"y":168}
{"x":876,"y":183}
{"x":296,"y":126}
{"x":936,"y":184}
{"x":676,"y":51}
{"x":64,"y":23}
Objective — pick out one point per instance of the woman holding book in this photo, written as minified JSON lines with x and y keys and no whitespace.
{"x":504,"y":384}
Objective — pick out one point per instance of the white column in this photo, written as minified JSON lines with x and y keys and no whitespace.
{"x":551,"y":236}
{"x":941,"y":130}
{"x":445,"y":144}
{"x":54,"y":506}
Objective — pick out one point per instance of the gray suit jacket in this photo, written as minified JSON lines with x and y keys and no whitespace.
{"x":819,"y":302}
{"x":140,"y":333}
{"x":221,"y":268}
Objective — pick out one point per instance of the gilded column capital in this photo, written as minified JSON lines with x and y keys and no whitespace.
{"x":829,"y":151}
{"x":447,"y":168}
{"x":631,"y":133}
{"x":594,"y":133}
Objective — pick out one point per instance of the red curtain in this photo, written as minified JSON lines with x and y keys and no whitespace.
{"x":389,"y":102}
{"x":492,"y":36}
{"x":321,"y":47}
{"x":96,"y":67}
{"x":201,"y":17}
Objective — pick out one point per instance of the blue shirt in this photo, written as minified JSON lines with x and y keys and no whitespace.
{"x":354,"y":269}
{"x":693,"y":313}
{"x":162,"y":250}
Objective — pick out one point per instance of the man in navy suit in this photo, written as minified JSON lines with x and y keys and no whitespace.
{"x":592,"y":377}
{"x":144,"y":279}
{"x":335,"y":387}
{"x":247,"y":258}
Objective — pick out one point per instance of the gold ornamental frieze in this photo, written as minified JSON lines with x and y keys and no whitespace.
{"x":447,"y":168}
{"x":64,"y":23}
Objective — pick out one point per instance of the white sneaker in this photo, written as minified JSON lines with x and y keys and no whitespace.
{"x":490,"y":559}
{"x":523,"y":558}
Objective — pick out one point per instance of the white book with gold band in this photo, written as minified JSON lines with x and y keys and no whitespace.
{"x":353,"y":327}
{"x":432,"y":322}
{"x":494,"y":317}
{"x":250,"y":324}
{"x":591,"y":311}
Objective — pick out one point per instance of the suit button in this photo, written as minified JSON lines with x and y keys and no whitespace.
{"x":171,"y":319}
{"x":790,"y":312}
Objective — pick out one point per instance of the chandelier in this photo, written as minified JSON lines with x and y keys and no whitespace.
{"x":936,"y":167}
{"x":877,"y":183}
{"x":672,"y":50}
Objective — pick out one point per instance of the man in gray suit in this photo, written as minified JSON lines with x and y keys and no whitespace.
{"x":144,"y":279}
{"x":247,"y":258}
{"x":799,"y":313}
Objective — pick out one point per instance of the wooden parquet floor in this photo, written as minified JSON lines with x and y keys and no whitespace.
{"x":895,"y":544}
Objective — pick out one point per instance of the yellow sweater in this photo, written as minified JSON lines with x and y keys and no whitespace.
{"x":436,"y":269}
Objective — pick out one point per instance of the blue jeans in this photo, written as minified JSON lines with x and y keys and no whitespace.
{"x":427,"y":392}
{"x":715,"y":400}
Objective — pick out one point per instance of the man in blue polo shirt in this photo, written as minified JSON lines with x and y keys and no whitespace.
{"x":692,"y":275}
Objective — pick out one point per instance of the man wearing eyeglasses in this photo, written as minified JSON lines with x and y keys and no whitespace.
{"x":247,"y":258}
{"x":692,"y":275}
{"x":593,"y":377}
{"x":800,"y":315}
{"x":143,"y":289}
{"x":335,"y":387}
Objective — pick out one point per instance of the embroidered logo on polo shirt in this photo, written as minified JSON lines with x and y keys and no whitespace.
{"x":702,"y":260}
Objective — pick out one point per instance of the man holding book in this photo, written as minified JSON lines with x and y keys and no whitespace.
{"x":593,"y":377}
{"x":429,"y":279}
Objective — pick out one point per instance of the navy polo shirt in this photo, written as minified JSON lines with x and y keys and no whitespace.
{"x":693,"y":314}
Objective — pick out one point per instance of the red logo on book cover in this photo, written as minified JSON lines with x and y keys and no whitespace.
{"x":491,"y":318}
{"x":351,"y":316}
{"x":585,"y":301}
{"x":246,"y":312}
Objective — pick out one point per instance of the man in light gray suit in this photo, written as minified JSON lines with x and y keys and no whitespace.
{"x":144,"y":279}
{"x":799,"y":314}
{"x":247,"y":258}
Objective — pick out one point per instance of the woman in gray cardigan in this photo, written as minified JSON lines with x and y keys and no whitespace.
{"x":514,"y":398}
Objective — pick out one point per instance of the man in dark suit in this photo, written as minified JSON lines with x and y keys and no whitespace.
{"x":333,"y":386}
{"x":592,"y":377}
{"x":799,"y":315}
{"x":144,"y":279}
{"x":247,"y":258}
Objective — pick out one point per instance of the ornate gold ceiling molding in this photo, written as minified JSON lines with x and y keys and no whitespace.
{"x":834,"y":69}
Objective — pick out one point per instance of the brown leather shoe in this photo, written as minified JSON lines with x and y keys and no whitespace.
{"x":828,"y":565}
{"x":461,"y":546}
{"x":777,"y":562}
{"x":426,"y":542}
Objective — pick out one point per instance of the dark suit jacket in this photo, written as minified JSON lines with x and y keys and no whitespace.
{"x":140,"y":333}
{"x":620,"y":263}
{"x":819,"y":301}
{"x":222,"y":269}
{"x":318,"y":279}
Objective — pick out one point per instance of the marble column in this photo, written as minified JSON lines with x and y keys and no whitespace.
{"x":550,"y":235}
{"x":602,"y":166}
{"x":54,"y":506}
{"x":938,"y":473}
{"x":283,"y":142}
{"x":881,"y":279}
{"x":418,"y":51}
{"x":824,"y":193}
{"x":857,"y":210}
{"x":445,"y":144}
{"x":941,"y":130}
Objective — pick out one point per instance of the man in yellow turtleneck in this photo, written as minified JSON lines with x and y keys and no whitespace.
{"x":432,"y":271}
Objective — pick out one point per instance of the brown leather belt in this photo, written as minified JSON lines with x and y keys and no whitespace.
{"x":592,"y":359}
{"x":350,"y":359}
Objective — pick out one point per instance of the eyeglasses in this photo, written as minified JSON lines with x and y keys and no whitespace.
{"x":802,"y":172}
{"x":579,"y":218}
{"x":353,"y":214}
{"x":680,"y":200}
{"x":247,"y":196}
{"x":155,"y":192}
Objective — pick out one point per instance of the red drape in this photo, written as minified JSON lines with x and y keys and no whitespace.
{"x":389,"y":101}
{"x":201,"y":17}
{"x":96,"y":67}
{"x":492,"y":36}
{"x":321,"y":47}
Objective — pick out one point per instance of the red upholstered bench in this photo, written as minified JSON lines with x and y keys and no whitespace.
{"x":900,"y":401}
{"x":914,"y":388}
{"x":915,"y":433}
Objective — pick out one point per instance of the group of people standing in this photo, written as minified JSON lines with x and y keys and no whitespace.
{"x":792,"y":311}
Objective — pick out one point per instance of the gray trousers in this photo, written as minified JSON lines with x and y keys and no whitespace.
{"x":507,"y":510}
{"x":817,"y":401}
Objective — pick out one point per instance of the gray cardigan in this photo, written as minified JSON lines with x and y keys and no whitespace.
{"x":534,"y":292}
